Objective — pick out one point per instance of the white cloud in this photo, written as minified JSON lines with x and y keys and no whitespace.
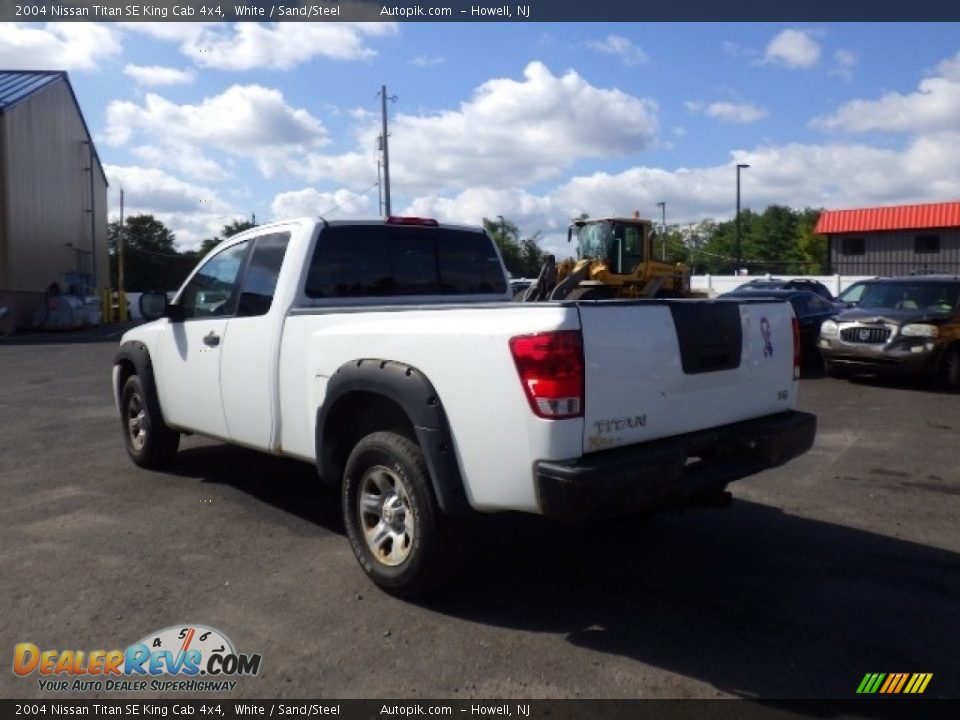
{"x":621,"y":47}
{"x":742,"y":113}
{"x":949,"y":68}
{"x":795,"y":175}
{"x":192,"y":212}
{"x":510,"y":131}
{"x":281,"y":46}
{"x":245,"y":120}
{"x":844,"y":63}
{"x":934,"y":106}
{"x":428,"y":60}
{"x":793,"y":49}
{"x":310,"y":202}
{"x":153,"y":75}
{"x":56,"y":46}
{"x":183,"y":159}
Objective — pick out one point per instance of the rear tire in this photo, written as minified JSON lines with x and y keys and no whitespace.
{"x":949,"y":373}
{"x":149,"y":442}
{"x":399,"y":535}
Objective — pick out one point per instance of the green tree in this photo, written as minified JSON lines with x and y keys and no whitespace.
{"x":151,"y":260}
{"x":812,"y":247}
{"x":228,"y":230}
{"x":523,"y":257}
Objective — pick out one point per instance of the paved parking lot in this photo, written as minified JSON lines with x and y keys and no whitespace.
{"x":844,"y":562}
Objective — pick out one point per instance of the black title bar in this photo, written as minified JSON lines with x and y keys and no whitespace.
{"x":214,"y":708}
{"x":479,"y":11}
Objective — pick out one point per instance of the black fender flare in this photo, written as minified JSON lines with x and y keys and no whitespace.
{"x":137,"y":354}
{"x":413,"y":392}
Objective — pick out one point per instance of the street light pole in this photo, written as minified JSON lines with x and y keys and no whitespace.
{"x":663,"y":230}
{"x":740,"y":166}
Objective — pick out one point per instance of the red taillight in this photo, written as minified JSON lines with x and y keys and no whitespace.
{"x":424,"y":222}
{"x":550,"y":366}
{"x":796,"y":349}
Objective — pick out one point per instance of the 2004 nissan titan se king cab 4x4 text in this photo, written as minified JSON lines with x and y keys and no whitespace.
{"x":387,"y":352}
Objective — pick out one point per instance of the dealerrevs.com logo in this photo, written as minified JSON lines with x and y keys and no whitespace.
{"x":187,"y":658}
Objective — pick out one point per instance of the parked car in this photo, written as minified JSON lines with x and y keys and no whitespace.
{"x":903,"y":326}
{"x":811,"y":310}
{"x":850,"y":297}
{"x":764,"y":285}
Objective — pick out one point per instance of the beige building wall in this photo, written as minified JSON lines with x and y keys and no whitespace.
{"x":46,"y":165}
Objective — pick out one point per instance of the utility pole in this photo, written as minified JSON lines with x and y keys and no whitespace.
{"x":740,"y":166}
{"x":663,"y":230}
{"x":379,"y":187}
{"x":386,"y":150}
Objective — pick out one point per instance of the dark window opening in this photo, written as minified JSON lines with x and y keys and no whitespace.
{"x":853,"y":246}
{"x":383,"y":261}
{"x":926,"y":244}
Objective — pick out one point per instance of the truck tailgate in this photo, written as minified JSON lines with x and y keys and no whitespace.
{"x":656,"y":368}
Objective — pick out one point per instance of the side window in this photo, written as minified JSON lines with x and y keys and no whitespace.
{"x":260,"y":280}
{"x":819,"y":305}
{"x":212,"y":292}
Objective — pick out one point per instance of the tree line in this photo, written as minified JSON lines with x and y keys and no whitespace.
{"x":778,"y":240}
{"x":151,"y":260}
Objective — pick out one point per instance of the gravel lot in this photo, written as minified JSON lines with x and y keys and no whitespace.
{"x":844,"y":562}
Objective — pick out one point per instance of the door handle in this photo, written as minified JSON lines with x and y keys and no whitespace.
{"x":211,"y":339}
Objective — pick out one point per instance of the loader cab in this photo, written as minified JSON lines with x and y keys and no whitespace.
{"x":621,"y":244}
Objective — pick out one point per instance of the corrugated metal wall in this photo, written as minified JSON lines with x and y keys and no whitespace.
{"x":45,"y":166}
{"x":892,"y":253}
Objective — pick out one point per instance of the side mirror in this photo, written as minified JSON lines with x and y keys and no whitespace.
{"x":153,"y":305}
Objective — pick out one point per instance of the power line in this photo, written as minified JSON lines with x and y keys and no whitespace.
{"x":342,"y":203}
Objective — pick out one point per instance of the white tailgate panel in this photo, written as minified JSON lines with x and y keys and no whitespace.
{"x":636,"y":389}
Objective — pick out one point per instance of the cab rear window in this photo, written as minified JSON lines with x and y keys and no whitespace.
{"x":380,"y":260}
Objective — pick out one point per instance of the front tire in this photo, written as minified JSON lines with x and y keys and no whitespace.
{"x":949,"y":374}
{"x":150,"y":443}
{"x":400,"y":537}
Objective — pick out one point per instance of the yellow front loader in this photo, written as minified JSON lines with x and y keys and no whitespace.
{"x":617,"y":257}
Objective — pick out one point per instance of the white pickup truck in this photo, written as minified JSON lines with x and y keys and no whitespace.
{"x":387,"y":352}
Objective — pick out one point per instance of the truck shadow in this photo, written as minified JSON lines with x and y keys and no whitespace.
{"x":750,"y":600}
{"x":289,"y":485}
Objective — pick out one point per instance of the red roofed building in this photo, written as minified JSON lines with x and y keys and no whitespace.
{"x":893,"y":240}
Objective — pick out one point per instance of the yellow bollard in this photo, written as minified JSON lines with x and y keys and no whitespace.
{"x":105,"y":305}
{"x":122,"y":306}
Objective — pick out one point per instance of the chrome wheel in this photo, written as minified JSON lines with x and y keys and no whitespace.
{"x":136,"y":422}
{"x":386,"y":516}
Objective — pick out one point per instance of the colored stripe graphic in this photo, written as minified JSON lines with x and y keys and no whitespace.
{"x":894,"y":683}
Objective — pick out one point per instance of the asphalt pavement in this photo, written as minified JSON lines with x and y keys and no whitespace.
{"x":843,"y":562}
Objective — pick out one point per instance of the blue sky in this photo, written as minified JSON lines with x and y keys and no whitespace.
{"x":536,"y":122}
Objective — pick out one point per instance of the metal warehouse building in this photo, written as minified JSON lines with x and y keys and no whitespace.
{"x":53,"y":195}
{"x":893,"y":240}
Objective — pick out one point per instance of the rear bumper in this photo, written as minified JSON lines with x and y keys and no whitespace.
{"x":642,"y":478}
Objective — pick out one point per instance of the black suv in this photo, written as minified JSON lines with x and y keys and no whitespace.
{"x":764,"y":285}
{"x":907,"y":325}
